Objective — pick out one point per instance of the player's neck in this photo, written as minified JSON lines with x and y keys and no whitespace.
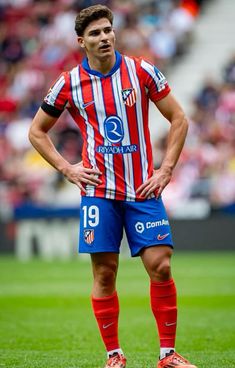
{"x":103,"y":66}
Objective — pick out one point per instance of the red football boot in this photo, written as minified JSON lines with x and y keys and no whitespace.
{"x":116,"y":361}
{"x":174,"y":360}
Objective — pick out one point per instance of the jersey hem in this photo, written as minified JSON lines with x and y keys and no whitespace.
{"x":118,"y":197}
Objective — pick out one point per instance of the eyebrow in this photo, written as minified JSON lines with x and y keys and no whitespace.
{"x":99,"y":29}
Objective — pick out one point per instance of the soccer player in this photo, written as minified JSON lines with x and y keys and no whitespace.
{"x":108,"y":97}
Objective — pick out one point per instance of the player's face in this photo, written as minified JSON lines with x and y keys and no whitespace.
{"x":98,"y":39}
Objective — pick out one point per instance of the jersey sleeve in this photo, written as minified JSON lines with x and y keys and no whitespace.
{"x":154,"y":81}
{"x":57,"y":97}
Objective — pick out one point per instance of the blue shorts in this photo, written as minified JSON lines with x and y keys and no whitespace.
{"x":102,"y":222}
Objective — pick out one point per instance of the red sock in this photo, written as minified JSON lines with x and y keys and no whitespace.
{"x":106,"y":311}
{"x":163,"y":303}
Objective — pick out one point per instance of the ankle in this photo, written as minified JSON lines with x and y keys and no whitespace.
{"x":166,"y":351}
{"x":115,"y":351}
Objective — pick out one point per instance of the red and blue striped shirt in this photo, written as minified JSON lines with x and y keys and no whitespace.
{"x":112,"y":113}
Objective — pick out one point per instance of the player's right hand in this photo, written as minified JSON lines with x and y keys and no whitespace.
{"x":80,"y":175}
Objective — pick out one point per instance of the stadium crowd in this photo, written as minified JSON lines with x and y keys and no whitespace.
{"x":37,"y":42}
{"x":206,"y":169}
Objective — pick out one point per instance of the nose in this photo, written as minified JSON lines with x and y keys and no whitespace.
{"x":104,"y":36}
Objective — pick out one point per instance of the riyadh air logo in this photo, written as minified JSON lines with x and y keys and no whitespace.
{"x":129,"y":96}
{"x":139,"y":227}
{"x":113,"y":129}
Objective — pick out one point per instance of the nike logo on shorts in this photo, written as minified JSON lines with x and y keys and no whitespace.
{"x":162,"y":237}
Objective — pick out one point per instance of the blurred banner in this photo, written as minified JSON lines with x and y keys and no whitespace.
{"x":57,"y":238}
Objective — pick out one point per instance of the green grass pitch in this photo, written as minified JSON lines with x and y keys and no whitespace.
{"x":46,"y":319}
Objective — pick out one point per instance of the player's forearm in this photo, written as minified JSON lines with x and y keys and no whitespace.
{"x":175,"y":141}
{"x":43,"y":144}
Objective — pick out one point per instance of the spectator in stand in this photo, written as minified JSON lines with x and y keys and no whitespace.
{"x":229,"y":71}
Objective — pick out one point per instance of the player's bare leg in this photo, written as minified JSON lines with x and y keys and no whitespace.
{"x":164,"y":304}
{"x":104,"y":267}
{"x":157,"y":262}
{"x":106,"y":306}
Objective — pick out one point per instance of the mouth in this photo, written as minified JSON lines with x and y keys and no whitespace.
{"x":105,"y":47}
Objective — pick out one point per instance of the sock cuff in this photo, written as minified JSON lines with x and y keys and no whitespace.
{"x":162,"y":288}
{"x":105,"y":298}
{"x":162,"y":283}
{"x":108,"y":305}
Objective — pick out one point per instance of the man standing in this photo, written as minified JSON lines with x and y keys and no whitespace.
{"x":108,"y":97}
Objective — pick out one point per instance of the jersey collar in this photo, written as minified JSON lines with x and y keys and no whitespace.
{"x":117,"y":64}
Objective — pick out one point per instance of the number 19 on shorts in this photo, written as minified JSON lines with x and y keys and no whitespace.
{"x":91,"y":216}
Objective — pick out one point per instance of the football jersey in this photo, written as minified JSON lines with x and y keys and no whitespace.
{"x":112,"y":113}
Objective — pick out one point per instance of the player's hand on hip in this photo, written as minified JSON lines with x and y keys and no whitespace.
{"x":80,"y":175}
{"x":156,"y":183}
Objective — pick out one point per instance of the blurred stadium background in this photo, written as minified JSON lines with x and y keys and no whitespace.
{"x":192,"y":42}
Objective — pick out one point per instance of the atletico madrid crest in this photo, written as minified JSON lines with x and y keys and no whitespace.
{"x":129,"y":96}
{"x":89,"y":236}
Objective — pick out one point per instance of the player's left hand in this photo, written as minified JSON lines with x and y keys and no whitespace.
{"x":157,"y":182}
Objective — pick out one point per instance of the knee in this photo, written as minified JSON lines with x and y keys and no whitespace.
{"x":105,"y":275}
{"x":164,"y":270}
{"x":161,"y":270}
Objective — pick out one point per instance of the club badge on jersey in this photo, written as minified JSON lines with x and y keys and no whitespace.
{"x":129,"y":96}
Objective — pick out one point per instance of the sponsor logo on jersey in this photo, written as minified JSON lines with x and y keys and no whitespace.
{"x":113,"y":129}
{"x":117,"y":149}
{"x":129,"y":96}
{"x":89,"y":236}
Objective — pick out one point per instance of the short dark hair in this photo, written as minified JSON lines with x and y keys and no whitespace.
{"x":88,"y":15}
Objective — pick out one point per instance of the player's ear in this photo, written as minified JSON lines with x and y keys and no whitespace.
{"x":81,"y":42}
